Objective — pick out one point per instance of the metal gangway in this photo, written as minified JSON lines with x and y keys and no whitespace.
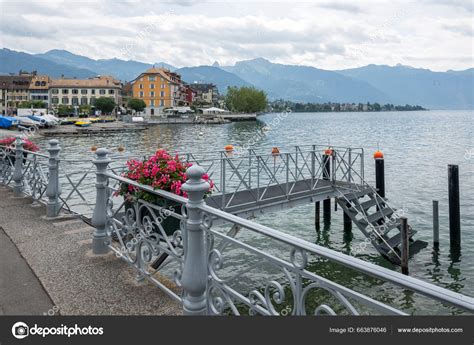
{"x":253,"y":182}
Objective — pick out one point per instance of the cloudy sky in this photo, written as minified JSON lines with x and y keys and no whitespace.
{"x":434,"y":34}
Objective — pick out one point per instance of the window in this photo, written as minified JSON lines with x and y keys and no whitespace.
{"x":65,"y":100}
{"x":140,"y":86}
{"x":84,"y":101}
{"x":75,"y":101}
{"x":65,"y":91}
{"x":55,"y":100}
{"x":54,"y":91}
{"x":111,"y":92}
{"x":152,"y":103}
{"x":75,"y":91}
{"x":151,"y":78}
{"x":162,"y":103}
{"x":152,"y":86}
{"x":93,"y":91}
{"x":162,"y":94}
{"x":152,"y":93}
{"x":92,"y":100}
{"x":37,"y":83}
{"x":43,"y":83}
{"x":84,"y":92}
{"x":102,"y":91}
{"x":162,"y":86}
{"x":162,"y":79}
{"x":141,"y":94}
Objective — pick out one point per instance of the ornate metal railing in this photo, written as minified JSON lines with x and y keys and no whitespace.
{"x":292,"y":172}
{"x":216,"y":262}
{"x":239,"y":266}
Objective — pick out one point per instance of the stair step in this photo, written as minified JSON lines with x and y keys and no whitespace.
{"x":384,"y":229}
{"x":358,"y":194}
{"x":397,"y":239}
{"x":368,"y":204}
{"x":374,"y":217}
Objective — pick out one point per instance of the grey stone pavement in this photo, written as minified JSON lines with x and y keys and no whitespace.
{"x":47,"y":266}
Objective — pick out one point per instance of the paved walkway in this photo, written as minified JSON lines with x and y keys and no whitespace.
{"x":53,"y":258}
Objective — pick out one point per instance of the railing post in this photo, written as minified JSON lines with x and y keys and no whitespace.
{"x":18,"y":173}
{"x":53,"y":191}
{"x":349,"y":176}
{"x":99,"y":218}
{"x":194,"y":276}
{"x":223,"y":182}
{"x":313,"y":165}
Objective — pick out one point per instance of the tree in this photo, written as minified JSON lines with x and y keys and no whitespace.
{"x":105,"y":104}
{"x":137,"y":104}
{"x":245,"y":99}
{"x":85,"y":109}
{"x":64,"y":110}
{"x":37,"y":104}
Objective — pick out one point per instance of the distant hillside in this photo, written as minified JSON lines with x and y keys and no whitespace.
{"x":435,"y":90}
{"x":209,"y":74}
{"x":12,"y":62}
{"x":125,"y":70}
{"x":305,"y":84}
{"x":397,"y":85}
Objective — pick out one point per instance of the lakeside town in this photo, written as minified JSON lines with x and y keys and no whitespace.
{"x":155,"y":93}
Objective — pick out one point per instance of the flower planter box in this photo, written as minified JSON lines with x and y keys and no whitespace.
{"x":169,"y":223}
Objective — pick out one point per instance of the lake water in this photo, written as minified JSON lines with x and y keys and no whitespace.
{"x":418,"y":146}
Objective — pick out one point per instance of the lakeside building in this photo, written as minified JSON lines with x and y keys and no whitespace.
{"x":159,"y":88}
{"x":77,"y":92}
{"x":206,"y":94}
{"x":14,"y":89}
{"x":39,"y":89}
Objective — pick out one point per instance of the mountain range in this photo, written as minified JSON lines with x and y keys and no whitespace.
{"x":373,"y":83}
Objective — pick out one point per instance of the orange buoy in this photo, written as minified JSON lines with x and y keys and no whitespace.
{"x":275,"y":151}
{"x":229,"y":148}
{"x":328,"y":151}
{"x":93,"y":148}
{"x":378,"y":154}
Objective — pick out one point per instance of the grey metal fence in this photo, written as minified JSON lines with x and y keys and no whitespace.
{"x":209,"y":260}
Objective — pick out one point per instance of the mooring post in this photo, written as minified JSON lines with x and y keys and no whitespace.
{"x":327,"y":176}
{"x":53,"y":191}
{"x":347,"y":221}
{"x":405,"y":248}
{"x":454,"y":207}
{"x":194,"y":276}
{"x":435,"y":224}
{"x":379,"y":173}
{"x":99,"y":218}
{"x":18,"y":173}
{"x":317,"y":222}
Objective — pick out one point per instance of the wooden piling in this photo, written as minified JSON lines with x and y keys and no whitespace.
{"x":404,"y":245}
{"x":454,"y":207}
{"x":317,"y":222}
{"x":327,"y":176}
{"x":347,"y":222}
{"x":435,"y":224}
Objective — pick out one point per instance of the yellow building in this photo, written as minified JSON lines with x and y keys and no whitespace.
{"x":159,"y":88}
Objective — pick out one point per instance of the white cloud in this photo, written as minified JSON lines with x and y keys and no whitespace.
{"x":324,"y":34}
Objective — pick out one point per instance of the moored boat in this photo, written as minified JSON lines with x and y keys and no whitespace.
{"x":82,"y":123}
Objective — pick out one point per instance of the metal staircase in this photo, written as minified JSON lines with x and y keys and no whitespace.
{"x":378,"y":221}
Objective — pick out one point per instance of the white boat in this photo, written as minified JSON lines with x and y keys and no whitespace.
{"x":27,"y":122}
